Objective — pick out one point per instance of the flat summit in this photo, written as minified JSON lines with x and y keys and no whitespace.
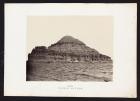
{"x":69,"y":59}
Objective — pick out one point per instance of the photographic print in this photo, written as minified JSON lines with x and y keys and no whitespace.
{"x":70,"y":50}
{"x":69,"y":58}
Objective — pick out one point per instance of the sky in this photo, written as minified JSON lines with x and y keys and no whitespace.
{"x":95,"y":31}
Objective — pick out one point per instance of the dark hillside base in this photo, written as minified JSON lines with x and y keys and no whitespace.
{"x":70,"y":71}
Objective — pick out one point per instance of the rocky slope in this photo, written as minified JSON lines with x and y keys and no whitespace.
{"x":67,"y":60}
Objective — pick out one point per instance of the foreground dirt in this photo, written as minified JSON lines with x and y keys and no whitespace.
{"x":67,"y":71}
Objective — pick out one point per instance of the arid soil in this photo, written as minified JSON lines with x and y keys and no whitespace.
{"x":67,"y":71}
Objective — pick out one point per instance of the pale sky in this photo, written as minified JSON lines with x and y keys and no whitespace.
{"x":95,"y":31}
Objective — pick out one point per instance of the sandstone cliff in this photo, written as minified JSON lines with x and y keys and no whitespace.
{"x":70,"y":53}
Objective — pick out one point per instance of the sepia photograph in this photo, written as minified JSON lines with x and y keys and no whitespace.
{"x":69,"y":58}
{"x":70,"y":50}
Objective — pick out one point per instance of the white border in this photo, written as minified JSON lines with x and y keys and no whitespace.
{"x":124,"y":69}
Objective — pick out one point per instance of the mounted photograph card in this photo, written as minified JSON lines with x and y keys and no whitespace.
{"x":70,"y":50}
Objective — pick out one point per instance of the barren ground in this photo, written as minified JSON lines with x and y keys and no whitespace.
{"x":67,"y":71}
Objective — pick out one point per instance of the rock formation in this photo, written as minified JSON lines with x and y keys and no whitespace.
{"x":67,"y":51}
